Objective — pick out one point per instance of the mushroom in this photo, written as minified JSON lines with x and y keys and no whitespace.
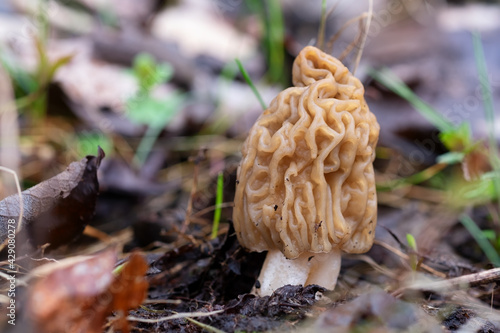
{"x":306,"y":186}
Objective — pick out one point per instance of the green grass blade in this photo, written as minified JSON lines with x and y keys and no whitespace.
{"x":322,"y":24}
{"x":275,"y":33}
{"x":481,"y":239}
{"x":146,"y":144}
{"x":250,"y":83}
{"x":488,"y":108}
{"x":388,"y":79}
{"x":205,"y":327}
{"x":218,"y":201}
{"x":414,"y":179}
{"x":412,"y":243}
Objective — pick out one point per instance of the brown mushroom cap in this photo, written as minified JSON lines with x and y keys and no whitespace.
{"x":306,"y":180}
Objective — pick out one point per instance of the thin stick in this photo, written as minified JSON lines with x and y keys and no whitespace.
{"x":194,"y":188}
{"x":9,"y":124}
{"x":407,"y":257}
{"x":363,"y":41}
{"x":211,"y":208}
{"x":332,"y":9}
{"x":205,"y":327}
{"x":371,"y":262}
{"x":333,"y":39}
{"x":175,"y":316}
{"x":19,"y":192}
{"x":97,"y":234}
{"x":351,"y":45}
{"x":469,"y":280}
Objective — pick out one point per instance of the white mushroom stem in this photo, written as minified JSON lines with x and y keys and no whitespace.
{"x":309,"y":268}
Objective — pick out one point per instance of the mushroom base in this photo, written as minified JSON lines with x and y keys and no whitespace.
{"x":309,"y":268}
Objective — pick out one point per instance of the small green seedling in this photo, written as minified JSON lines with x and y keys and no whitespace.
{"x":493,"y":237}
{"x":218,"y":202}
{"x":145,"y":109}
{"x":31,"y":88}
{"x":250,"y":83}
{"x":271,"y":16}
{"x":87,"y":141}
{"x":412,"y":243}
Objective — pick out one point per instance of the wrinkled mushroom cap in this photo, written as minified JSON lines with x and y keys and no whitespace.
{"x":306,"y":180}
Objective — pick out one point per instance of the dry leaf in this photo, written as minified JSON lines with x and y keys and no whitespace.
{"x":73,"y":298}
{"x":80,"y":296}
{"x":58,"y":209}
{"x":129,"y":289}
{"x":475,"y":164}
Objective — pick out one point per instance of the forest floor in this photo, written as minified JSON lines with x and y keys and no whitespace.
{"x":156,"y":86}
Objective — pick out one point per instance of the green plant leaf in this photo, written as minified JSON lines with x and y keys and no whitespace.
{"x":145,"y":110}
{"x":87,"y":141}
{"x":391,"y":81}
{"x":218,"y":202}
{"x":451,"y":157}
{"x":149,"y":74}
{"x":480,"y":191}
{"x":22,"y":80}
{"x":458,"y":138}
{"x":489,"y":108}
{"x":490,"y":234}
{"x":481,"y":239}
{"x":56,"y":65}
{"x":250,"y":83}
{"x":154,"y":112}
{"x":157,"y":114}
{"x":412,"y":243}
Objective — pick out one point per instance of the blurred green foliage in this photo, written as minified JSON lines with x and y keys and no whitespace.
{"x":145,"y":109}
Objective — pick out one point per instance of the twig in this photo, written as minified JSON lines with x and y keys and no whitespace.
{"x":406,"y":257}
{"x":211,"y":208}
{"x":463,"y":281}
{"x":200,"y":157}
{"x":175,"y":316}
{"x":363,"y":41}
{"x":331,"y":41}
{"x":97,"y":234}
{"x":19,"y":192}
{"x":9,"y":126}
{"x":322,"y":25}
{"x":371,"y":262}
{"x":206,"y":327}
{"x":351,"y":45}
{"x":162,"y":301}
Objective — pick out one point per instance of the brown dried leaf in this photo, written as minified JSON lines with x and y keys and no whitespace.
{"x":80,"y":296}
{"x":74,"y":298}
{"x":129,"y":289}
{"x":58,"y":209}
{"x":475,"y":164}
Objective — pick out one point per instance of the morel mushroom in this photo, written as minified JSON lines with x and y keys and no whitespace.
{"x":306,"y":187}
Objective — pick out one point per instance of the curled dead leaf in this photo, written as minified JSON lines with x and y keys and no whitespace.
{"x":58,"y":209}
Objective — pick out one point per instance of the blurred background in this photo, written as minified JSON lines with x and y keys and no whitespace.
{"x":170,"y":89}
{"x":156,"y":85}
